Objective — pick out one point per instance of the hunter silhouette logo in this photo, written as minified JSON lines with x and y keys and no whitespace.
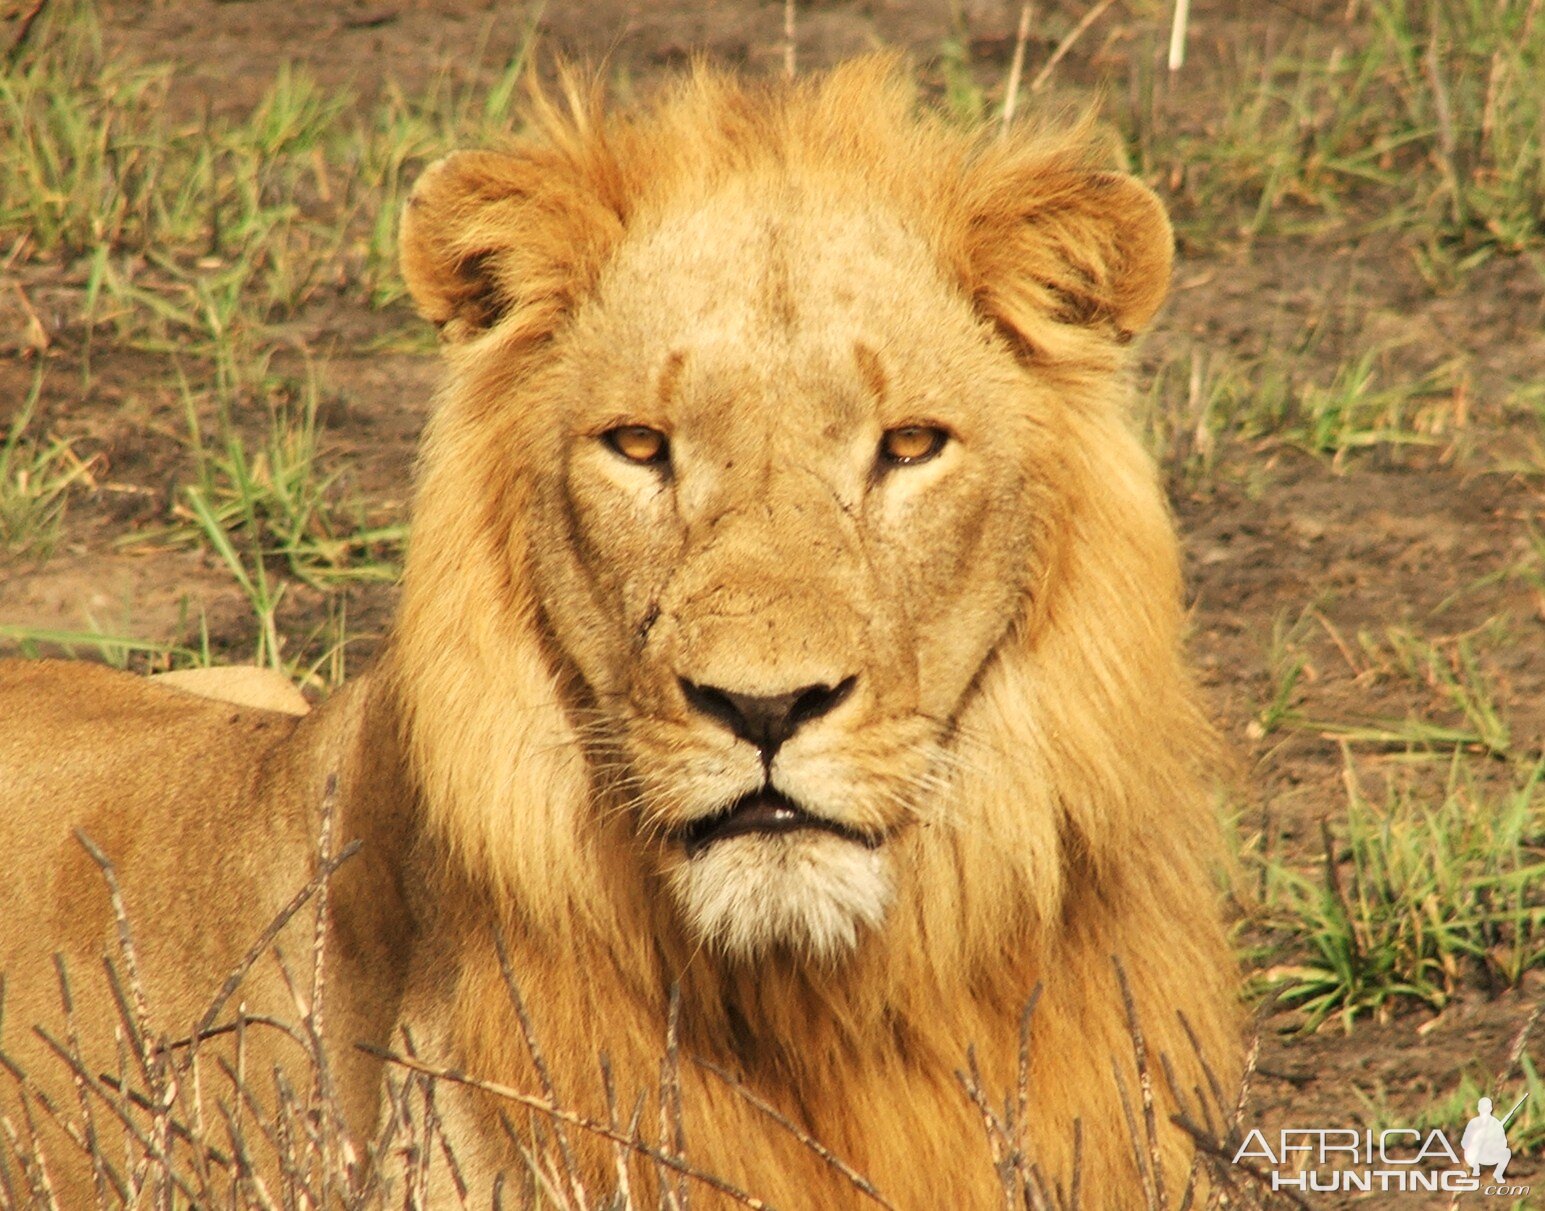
{"x":1387,"y":1160}
{"x":1485,"y":1139}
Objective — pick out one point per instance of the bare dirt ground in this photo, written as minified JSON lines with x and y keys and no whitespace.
{"x":1287,"y":552}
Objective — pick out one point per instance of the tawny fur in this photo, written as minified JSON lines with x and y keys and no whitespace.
{"x":244,"y":685}
{"x":773,"y":276}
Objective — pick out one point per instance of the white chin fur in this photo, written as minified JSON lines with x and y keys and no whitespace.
{"x":807,"y":891}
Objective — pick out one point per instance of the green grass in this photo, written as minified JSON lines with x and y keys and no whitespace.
{"x":36,"y":474}
{"x":962,"y":97}
{"x":1212,"y":415}
{"x":194,"y":234}
{"x":1357,"y":410}
{"x":1414,"y":897}
{"x":1286,"y":665}
{"x":1427,"y":117}
{"x":1434,"y":882}
{"x":274,"y":514}
{"x":277,"y":497}
{"x":110,"y":647}
{"x":316,"y":658}
{"x":274,"y":511}
{"x":1449,"y":672}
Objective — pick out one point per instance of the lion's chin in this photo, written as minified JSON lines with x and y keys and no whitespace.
{"x":806,"y":891}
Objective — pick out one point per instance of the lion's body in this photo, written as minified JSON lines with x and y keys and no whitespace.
{"x":210,"y":813}
{"x":998,"y":775}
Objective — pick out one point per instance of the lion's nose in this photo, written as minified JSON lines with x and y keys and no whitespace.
{"x":766,"y":720}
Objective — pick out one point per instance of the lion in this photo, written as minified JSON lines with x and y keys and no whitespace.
{"x":788,"y":669}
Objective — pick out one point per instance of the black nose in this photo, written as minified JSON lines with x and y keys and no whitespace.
{"x":766,"y":721}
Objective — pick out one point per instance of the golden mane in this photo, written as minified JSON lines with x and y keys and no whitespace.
{"x":1079,"y":821}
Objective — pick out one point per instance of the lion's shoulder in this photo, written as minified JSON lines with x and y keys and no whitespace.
{"x":240,"y":685}
{"x":39,"y":698}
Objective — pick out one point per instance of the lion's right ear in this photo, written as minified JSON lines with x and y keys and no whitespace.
{"x":489,"y":237}
{"x":1052,"y":244}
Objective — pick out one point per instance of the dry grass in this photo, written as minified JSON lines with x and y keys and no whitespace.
{"x":174,"y":1128}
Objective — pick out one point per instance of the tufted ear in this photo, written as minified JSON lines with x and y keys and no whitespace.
{"x":489,"y":236}
{"x":1068,"y":246}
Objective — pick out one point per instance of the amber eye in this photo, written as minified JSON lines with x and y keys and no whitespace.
{"x":912,"y":444}
{"x":638,"y":443}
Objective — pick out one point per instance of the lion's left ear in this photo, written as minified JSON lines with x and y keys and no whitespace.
{"x":488,"y":235}
{"x":1068,"y":247}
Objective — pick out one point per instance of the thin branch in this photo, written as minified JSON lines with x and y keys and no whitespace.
{"x":1017,"y":65}
{"x":88,"y":1120}
{"x":549,"y":1090}
{"x":1133,"y":1136}
{"x":558,"y":1114}
{"x":434,"y":1126}
{"x":153,"y":1148}
{"x":788,"y":39}
{"x":1204,"y":1141}
{"x":609,"y":1085}
{"x":242,"y":1020}
{"x":1076,"y":1182}
{"x":126,"y":948}
{"x":239,"y":973}
{"x":29,"y":1157}
{"x":1022,"y":1077}
{"x":1177,"y":34}
{"x":860,"y":1183}
{"x":1515,"y":1050}
{"x":1077,"y":32}
{"x":1333,"y":885}
{"x":134,"y":1013}
{"x":1145,"y":1083}
{"x":144,"y":1103}
{"x":674,"y":1127}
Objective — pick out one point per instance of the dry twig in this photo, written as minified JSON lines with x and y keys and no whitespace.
{"x":1177,"y":34}
{"x":559,"y":1114}
{"x":1145,"y":1083}
{"x":1077,"y":32}
{"x":860,"y":1183}
{"x":1016,"y":65}
{"x":512,"y":986}
{"x":788,"y":39}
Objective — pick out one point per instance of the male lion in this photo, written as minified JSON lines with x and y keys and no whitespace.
{"x":791,"y":620}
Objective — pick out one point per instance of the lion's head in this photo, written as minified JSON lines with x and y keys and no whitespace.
{"x":784,"y":568}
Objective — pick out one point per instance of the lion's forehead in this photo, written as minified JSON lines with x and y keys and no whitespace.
{"x":773,"y":262}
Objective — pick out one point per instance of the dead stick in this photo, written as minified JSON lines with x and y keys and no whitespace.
{"x":239,"y":973}
{"x":1066,"y":44}
{"x":557,"y":1113}
{"x":539,"y":1062}
{"x":1177,"y":35}
{"x":1017,"y":66}
{"x":859,"y":1181}
{"x":788,"y":39}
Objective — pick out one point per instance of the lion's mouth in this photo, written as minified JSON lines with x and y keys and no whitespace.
{"x":765,"y":812}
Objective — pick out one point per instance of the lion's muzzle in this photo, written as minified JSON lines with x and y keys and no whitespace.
{"x":766,"y":812}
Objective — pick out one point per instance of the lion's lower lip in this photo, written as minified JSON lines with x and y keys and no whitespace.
{"x":765,"y":812}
